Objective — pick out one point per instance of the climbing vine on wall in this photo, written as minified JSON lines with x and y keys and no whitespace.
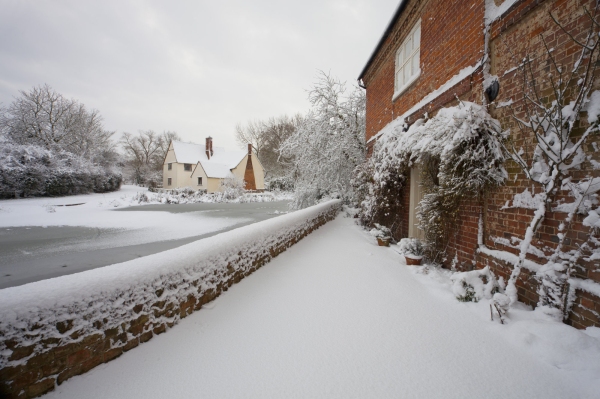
{"x":460,"y":154}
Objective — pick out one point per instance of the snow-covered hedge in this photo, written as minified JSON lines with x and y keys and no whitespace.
{"x":58,"y":328}
{"x":191,"y":196}
{"x":31,"y":170}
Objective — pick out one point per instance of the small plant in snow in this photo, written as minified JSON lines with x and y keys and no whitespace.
{"x":412,"y":247}
{"x":474,"y":285}
{"x":382,"y":234}
{"x":380,"y":231}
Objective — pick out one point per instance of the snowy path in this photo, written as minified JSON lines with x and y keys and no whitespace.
{"x":333,"y":317}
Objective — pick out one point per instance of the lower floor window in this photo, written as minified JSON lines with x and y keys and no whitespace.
{"x":199,"y":181}
{"x":169,"y":181}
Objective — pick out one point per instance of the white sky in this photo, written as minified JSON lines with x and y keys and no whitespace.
{"x":195,"y":67}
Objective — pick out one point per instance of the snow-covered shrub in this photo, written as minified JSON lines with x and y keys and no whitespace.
{"x":233,"y":192}
{"x":474,"y":285}
{"x":411,"y":246}
{"x":285,"y":183}
{"x":380,"y":231}
{"x":461,"y":154}
{"x":232,"y":188}
{"x":379,"y":190}
{"x":31,"y":170}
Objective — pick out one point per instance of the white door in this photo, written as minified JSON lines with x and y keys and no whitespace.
{"x":416,"y":195}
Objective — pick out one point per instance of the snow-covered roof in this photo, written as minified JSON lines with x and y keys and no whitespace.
{"x":220,"y":163}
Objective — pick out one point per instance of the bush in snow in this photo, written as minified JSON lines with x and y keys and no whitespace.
{"x":460,"y":153}
{"x":285,"y":183}
{"x":411,"y":246}
{"x":31,"y":170}
{"x":380,"y":231}
{"x":475,"y":285}
{"x":232,"y":188}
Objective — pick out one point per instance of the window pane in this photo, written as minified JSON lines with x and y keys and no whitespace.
{"x":406,"y":73}
{"x":417,"y":36}
{"x":415,"y":62}
{"x":399,"y":80}
{"x":400,"y":58}
{"x":408,"y":45}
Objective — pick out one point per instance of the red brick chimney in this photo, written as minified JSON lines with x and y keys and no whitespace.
{"x":249,"y":149}
{"x":208,"y":147}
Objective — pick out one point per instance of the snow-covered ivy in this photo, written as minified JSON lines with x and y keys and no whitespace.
{"x":460,"y":152}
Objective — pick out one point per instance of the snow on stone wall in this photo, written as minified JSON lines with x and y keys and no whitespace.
{"x":54,"y":329}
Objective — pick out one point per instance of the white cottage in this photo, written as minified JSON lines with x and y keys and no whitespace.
{"x":203,"y":167}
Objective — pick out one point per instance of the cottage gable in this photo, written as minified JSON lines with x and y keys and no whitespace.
{"x":203,"y":166}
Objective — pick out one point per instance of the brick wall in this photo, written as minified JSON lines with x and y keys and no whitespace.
{"x":452,"y":39}
{"x":38,"y":356}
{"x":443,"y":26}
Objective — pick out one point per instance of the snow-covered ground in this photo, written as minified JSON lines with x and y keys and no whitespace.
{"x":336,"y":316}
{"x":93,"y":234}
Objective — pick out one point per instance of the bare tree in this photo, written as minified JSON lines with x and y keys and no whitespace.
{"x":266,"y":138}
{"x":145,"y":153}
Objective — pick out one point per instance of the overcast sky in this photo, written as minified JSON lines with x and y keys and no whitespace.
{"x":195,"y":67}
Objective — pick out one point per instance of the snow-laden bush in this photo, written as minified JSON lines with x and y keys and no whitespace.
{"x":31,"y":170}
{"x":380,"y":231}
{"x":475,"y":285}
{"x":285,"y":183}
{"x":461,"y":155}
{"x":411,"y":246}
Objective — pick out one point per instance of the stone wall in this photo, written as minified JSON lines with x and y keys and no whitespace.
{"x":48,"y":339}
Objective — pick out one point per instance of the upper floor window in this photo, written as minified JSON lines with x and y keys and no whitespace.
{"x":169,"y":166}
{"x":187,"y":167}
{"x":199,"y":181}
{"x":408,"y":67}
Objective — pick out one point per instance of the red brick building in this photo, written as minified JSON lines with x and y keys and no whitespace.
{"x":432,"y":53}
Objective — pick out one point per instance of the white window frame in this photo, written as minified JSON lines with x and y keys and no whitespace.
{"x":168,"y":181}
{"x":408,"y":61}
{"x":200,"y":180}
{"x":187,"y":167}
{"x":169,"y":166}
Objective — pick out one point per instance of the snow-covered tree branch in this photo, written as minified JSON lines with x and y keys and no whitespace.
{"x":552,"y":112}
{"x":329,"y":143}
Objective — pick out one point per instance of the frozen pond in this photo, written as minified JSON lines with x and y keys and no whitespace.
{"x":31,"y":252}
